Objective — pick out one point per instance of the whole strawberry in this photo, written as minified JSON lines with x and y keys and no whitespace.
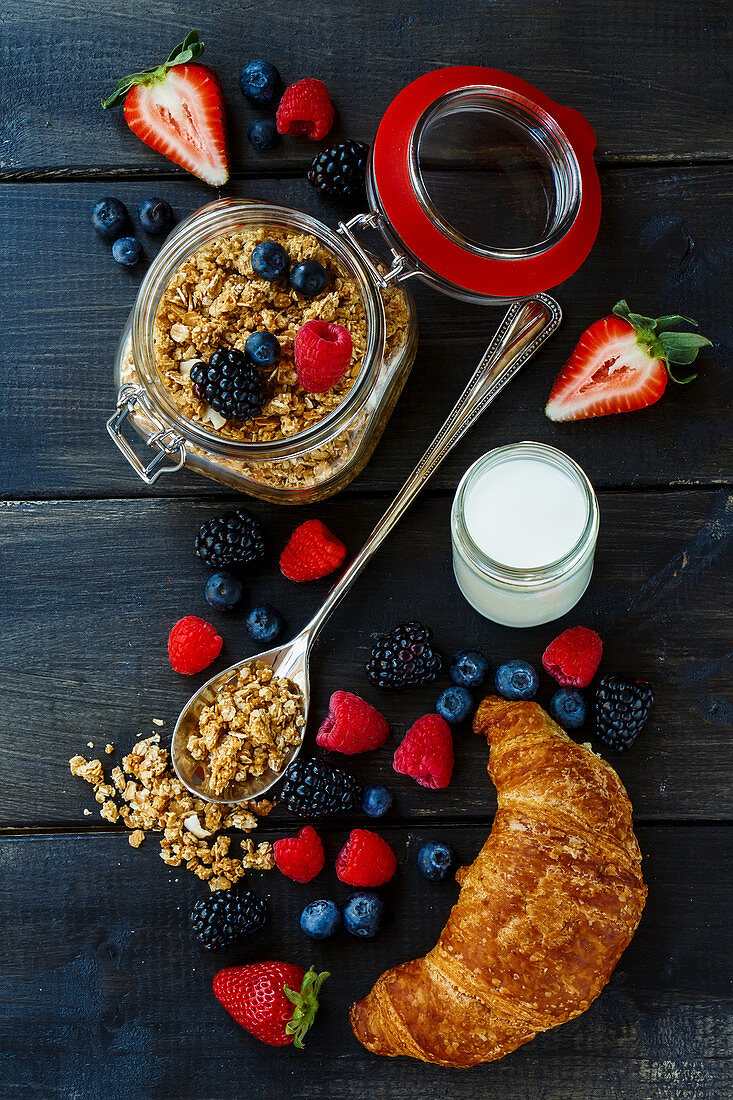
{"x":365,"y":860}
{"x":177,"y":108}
{"x":274,"y":1001}
{"x":300,"y":857}
{"x":621,"y":363}
{"x":352,"y":725}
{"x":426,"y":752}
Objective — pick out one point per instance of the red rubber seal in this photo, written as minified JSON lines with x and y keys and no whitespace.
{"x":487,"y":275}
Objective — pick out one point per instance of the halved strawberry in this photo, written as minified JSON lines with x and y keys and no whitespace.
{"x":178,"y":110}
{"x":621,"y":363}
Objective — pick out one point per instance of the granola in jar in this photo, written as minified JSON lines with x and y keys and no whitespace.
{"x":249,"y":728}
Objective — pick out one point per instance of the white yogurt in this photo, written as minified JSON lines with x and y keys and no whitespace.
{"x":524,"y":528}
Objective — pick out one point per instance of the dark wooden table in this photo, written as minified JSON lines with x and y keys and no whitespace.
{"x":104,"y":993}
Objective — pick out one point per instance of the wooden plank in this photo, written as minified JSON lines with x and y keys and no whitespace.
{"x":106,"y":993}
{"x":659,"y":244}
{"x":97,"y":585}
{"x":641,"y":106}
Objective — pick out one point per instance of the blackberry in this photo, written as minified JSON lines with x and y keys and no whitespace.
{"x":622,"y":707}
{"x":224,"y":918}
{"x":403,"y":657}
{"x":234,"y":538}
{"x":338,"y":172}
{"x":229,"y":384}
{"x":313,"y":788}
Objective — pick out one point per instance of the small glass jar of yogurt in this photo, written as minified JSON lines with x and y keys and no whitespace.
{"x":524,"y":526}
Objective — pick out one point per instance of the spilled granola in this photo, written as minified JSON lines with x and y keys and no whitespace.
{"x":249,"y":728}
{"x":146,"y":795}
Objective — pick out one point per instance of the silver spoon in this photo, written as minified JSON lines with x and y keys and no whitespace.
{"x":525,"y":326}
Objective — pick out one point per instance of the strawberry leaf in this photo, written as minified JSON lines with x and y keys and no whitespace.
{"x":673,"y":320}
{"x":306,"y":1005}
{"x":188,"y":50}
{"x":655,"y":336}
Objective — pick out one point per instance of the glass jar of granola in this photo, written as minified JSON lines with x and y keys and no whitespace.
{"x":530,"y":221}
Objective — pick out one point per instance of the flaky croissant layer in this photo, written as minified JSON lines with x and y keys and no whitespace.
{"x":544,"y":913}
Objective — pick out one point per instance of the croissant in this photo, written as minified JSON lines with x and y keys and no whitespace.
{"x":544,"y":913}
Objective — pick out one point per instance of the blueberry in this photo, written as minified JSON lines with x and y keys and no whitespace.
{"x":516,"y":680}
{"x":264,"y":623}
{"x":127,"y":251}
{"x":223,"y":591}
{"x":320,"y":919}
{"x":109,"y":218}
{"x":309,"y":278}
{"x":469,"y":668}
{"x":377,"y":800}
{"x":262,"y":134}
{"x":568,"y":707}
{"x":436,"y":861}
{"x":156,"y":216}
{"x":270,"y":261}
{"x":258,"y":81}
{"x":455,"y":704}
{"x":262,"y":349}
{"x":363,"y":914}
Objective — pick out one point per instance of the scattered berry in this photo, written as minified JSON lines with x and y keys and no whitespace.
{"x":126,"y":251}
{"x":109,"y":218}
{"x":313,"y":788}
{"x":320,"y":919}
{"x":312,"y":552}
{"x":352,"y":725}
{"x":322,"y":355}
{"x":264,"y":623}
{"x":235,"y":538}
{"x":339,"y":172}
{"x":377,"y":800}
{"x":300,"y":857}
{"x":516,"y":680}
{"x":177,"y":108}
{"x":223,"y":591}
{"x":259,"y":81}
{"x":403,"y":657}
{"x":455,"y":704}
{"x":274,"y":1001}
{"x":426,"y":752}
{"x":469,"y":668}
{"x":622,"y":707}
{"x":363,"y":914}
{"x":223,"y":919}
{"x":568,"y":708}
{"x":156,"y":216}
{"x":229,"y":384}
{"x":262,"y":349}
{"x":262,"y":134}
{"x":365,"y":860}
{"x":574,"y":656}
{"x":309,"y":278}
{"x":270,"y":261}
{"x":305,"y":108}
{"x":192,"y":645}
{"x":436,"y":861}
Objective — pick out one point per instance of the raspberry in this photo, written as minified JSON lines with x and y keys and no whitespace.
{"x":573,"y":657}
{"x":192,"y":645}
{"x":305,"y":108}
{"x":365,"y":860}
{"x":426,"y":752}
{"x":312,"y":552}
{"x":352,"y":725}
{"x":322,"y":355}
{"x":300,"y":857}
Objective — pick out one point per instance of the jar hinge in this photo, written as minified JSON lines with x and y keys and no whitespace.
{"x":167,"y":442}
{"x":400,"y":269}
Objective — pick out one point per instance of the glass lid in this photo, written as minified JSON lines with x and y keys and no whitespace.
{"x":484,"y":184}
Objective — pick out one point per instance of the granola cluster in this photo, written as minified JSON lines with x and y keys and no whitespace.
{"x":248,"y":728}
{"x":146,"y":795}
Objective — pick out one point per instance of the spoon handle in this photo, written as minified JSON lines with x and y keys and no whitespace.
{"x":525,"y":326}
